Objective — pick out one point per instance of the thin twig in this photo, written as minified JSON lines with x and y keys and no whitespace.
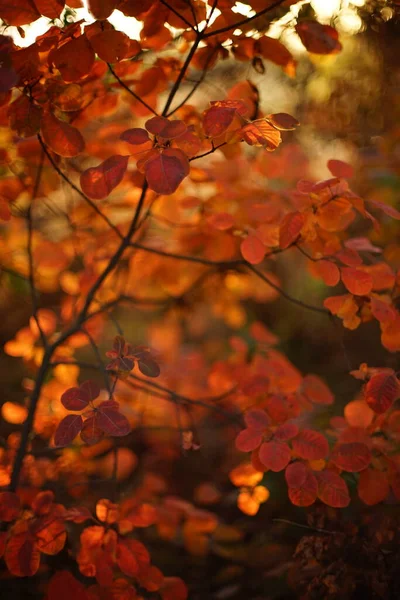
{"x":181,"y":17}
{"x":132,"y":93}
{"x":245,"y":21}
{"x":92,"y":204}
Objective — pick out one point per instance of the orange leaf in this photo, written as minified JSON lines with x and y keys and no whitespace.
{"x":274,"y":455}
{"x":166,"y":170}
{"x":252,"y":249}
{"x":24,"y":117}
{"x":260,"y":133}
{"x":290,"y":229}
{"x":67,"y":430}
{"x":332,"y":489}
{"x":136,"y":136}
{"x":382,"y":311}
{"x":381,"y":391}
{"x":310,"y":445}
{"x":256,"y":419}
{"x":352,"y":457}
{"x":61,"y":137}
{"x":98,"y":182}
{"x":357,"y":282}
{"x":328,"y":271}
{"x":373,"y":486}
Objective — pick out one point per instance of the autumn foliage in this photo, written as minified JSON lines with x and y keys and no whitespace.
{"x":140,"y":226}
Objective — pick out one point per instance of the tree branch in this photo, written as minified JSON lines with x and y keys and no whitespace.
{"x":245,"y":21}
{"x":132,"y":93}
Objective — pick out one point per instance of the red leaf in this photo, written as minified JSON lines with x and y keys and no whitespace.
{"x":221,"y":221}
{"x":126,"y":560}
{"x":74,"y":59}
{"x":90,"y":388}
{"x":352,"y":457}
{"x":42,"y":503}
{"x":75,"y":399}
{"x":357,"y":282}
{"x":111,"y":46}
{"x":274,"y":455}
{"x":21,"y":555}
{"x":51,"y":9}
{"x":137,"y":136}
{"x":290,"y":229}
{"x":166,"y":129}
{"x":382,"y":311}
{"x":102,"y":9}
{"x":317,"y":38}
{"x":173,"y":588}
{"x":91,"y":432}
{"x":306,"y":493}
{"x":217,"y":119}
{"x":18,"y":13}
{"x":98,"y":182}
{"x":257,"y":419}
{"x":316,"y":390}
{"x":111,"y":420}
{"x":9,"y":506}
{"x":373,"y":486}
{"x":61,"y":137}
{"x":381,"y":391}
{"x":341,"y":169}
{"x":64,"y":586}
{"x":252,"y":249}
{"x":386,"y":208}
{"x":332,"y":489}
{"x":287,"y":431}
{"x":248,"y":439}
{"x":67,"y":430}
{"x":310,"y":445}
{"x":165,"y":171}
{"x":296,"y":474}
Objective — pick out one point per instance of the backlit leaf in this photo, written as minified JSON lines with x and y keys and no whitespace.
{"x":51,"y":9}
{"x":352,"y":457}
{"x":248,"y":440}
{"x":22,"y":556}
{"x":310,"y":444}
{"x":64,"y":139}
{"x":67,"y":430}
{"x":165,"y":171}
{"x":74,"y":59}
{"x":283,"y":121}
{"x":111,"y":420}
{"x":18,"y":13}
{"x":316,"y":390}
{"x":328,"y":271}
{"x":339,"y":168}
{"x":332,"y":489}
{"x":260,"y":133}
{"x":256,"y":419}
{"x":317,"y":38}
{"x":102,"y":9}
{"x":91,"y":432}
{"x":98,"y":182}
{"x":274,"y":455}
{"x":137,"y":136}
{"x":381,"y":391}
{"x":253,"y":250}
{"x":75,"y":399}
{"x":290,"y":229}
{"x":356,"y":281}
